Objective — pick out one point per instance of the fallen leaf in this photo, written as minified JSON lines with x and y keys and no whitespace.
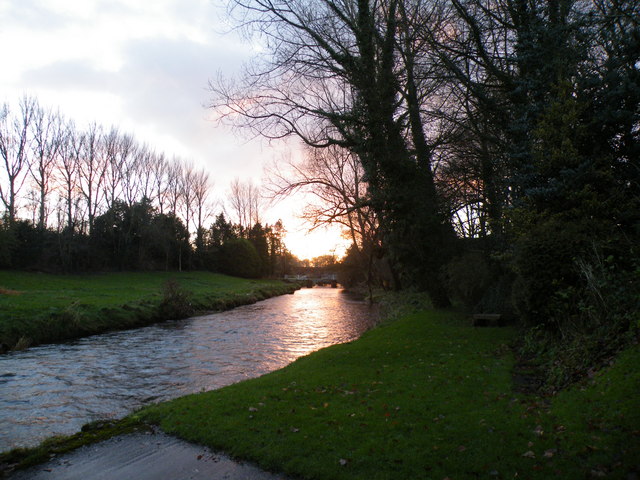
{"x":253,"y":409}
{"x":343,"y":462}
{"x":550,"y":453}
{"x":462,"y":448}
{"x":529,"y":454}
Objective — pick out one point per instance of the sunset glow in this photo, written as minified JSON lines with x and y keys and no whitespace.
{"x":304,"y":244}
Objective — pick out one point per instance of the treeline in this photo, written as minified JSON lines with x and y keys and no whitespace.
{"x":95,"y":199}
{"x":139,"y":237}
{"x":62,"y":177}
{"x":250,"y":252}
{"x":497,"y":141}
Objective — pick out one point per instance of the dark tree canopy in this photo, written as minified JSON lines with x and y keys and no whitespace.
{"x":498,"y":140}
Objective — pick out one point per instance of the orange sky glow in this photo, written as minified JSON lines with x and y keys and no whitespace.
{"x":318,"y":242}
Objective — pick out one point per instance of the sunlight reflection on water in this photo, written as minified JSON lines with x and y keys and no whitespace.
{"x":55,"y":389}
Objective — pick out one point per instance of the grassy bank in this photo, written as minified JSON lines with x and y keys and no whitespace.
{"x":426,"y":396}
{"x":40,"y":308}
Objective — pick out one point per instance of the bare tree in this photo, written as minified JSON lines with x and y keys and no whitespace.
{"x":174,"y":185}
{"x":92,"y":170}
{"x":201,"y":190}
{"x":160,"y":167}
{"x":119,"y":149}
{"x":334,"y":178}
{"x":68,"y":168}
{"x":186,"y":181}
{"x":132,"y":167}
{"x":47,"y":133}
{"x":344,"y":72}
{"x":246,"y":202}
{"x":14,"y":149}
{"x":113,"y":171}
{"x":146,"y":160}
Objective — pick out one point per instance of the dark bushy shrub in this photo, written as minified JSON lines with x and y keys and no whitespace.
{"x":544,"y":261}
{"x":239,"y":258}
{"x":468,"y":277}
{"x":578,"y":291}
{"x":176,"y":301}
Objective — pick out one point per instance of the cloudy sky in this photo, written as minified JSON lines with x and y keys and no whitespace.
{"x":143,"y":66}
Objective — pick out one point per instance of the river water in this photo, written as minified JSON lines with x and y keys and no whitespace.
{"x":55,"y":389}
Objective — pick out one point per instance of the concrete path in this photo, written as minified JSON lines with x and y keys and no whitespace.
{"x":151,"y":456}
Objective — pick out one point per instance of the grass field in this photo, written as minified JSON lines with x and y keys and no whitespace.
{"x":38,"y":308}
{"x":424,"y":397}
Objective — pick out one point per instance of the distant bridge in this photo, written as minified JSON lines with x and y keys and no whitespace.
{"x":311,"y":280}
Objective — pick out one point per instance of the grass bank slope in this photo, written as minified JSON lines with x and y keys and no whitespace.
{"x":426,"y":396}
{"x":40,"y":308}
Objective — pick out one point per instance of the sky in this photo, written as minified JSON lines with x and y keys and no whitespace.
{"x":144,"y":67}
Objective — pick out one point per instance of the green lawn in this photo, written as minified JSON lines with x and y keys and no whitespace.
{"x":37,"y":308}
{"x":426,"y":396}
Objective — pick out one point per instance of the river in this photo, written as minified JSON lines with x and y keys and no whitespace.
{"x":55,"y":389}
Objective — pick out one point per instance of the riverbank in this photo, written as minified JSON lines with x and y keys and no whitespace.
{"x":427,"y":396}
{"x":38,"y":308}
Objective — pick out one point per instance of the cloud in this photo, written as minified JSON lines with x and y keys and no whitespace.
{"x":160,"y":91}
{"x":164,"y":84}
{"x":35,"y":15}
{"x":66,"y":75}
{"x":150,"y":81}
